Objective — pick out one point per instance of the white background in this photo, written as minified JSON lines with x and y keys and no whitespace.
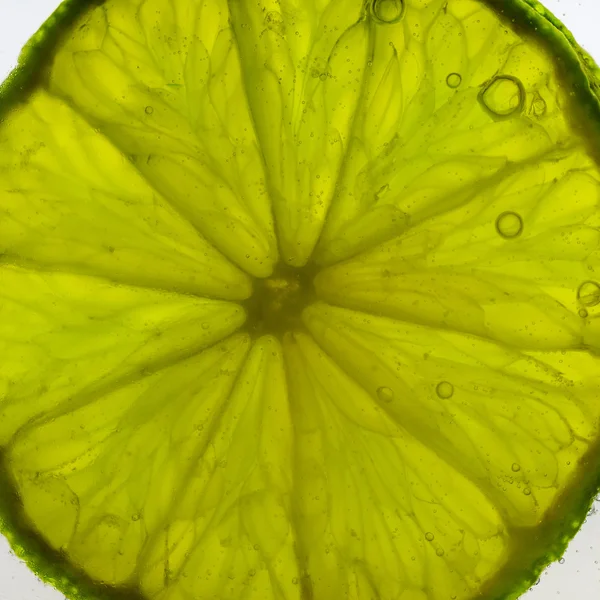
{"x":577,"y":577}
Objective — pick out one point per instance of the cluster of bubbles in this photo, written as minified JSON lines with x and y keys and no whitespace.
{"x":588,"y":295}
{"x":503,"y":96}
{"x":274,"y":22}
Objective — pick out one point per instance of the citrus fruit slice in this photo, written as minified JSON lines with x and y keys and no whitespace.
{"x":299,"y":299}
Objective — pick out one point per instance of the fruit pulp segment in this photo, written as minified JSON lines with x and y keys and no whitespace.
{"x":300,"y":300}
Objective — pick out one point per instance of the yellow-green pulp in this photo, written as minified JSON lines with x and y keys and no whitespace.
{"x":299,"y":299}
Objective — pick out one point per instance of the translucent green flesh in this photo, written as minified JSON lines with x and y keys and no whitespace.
{"x":299,"y":300}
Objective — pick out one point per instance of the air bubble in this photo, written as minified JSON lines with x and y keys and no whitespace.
{"x":429,"y":536}
{"x":205,"y":326}
{"x":439,"y":552}
{"x":385,"y":394}
{"x":583,"y":313}
{"x":388,"y":11}
{"x":444,"y":389}
{"x":516,"y":467}
{"x":274,"y":22}
{"x":538,"y":105}
{"x":509,"y":225}
{"x":453,"y":80}
{"x":562,"y":561}
{"x":588,"y":293}
{"x":149,"y":110}
{"x":320,"y":69}
{"x":503,"y":97}
{"x":527,"y":491}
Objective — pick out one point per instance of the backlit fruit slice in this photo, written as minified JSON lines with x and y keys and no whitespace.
{"x":299,"y":299}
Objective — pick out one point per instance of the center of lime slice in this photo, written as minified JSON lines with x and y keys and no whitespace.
{"x":277,"y":302}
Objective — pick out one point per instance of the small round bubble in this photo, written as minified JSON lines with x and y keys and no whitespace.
{"x":509,"y":225}
{"x":444,"y":389}
{"x":538,"y":106}
{"x":387,"y":11}
{"x":149,"y":110}
{"x":516,"y":467}
{"x":588,"y":293}
{"x":503,"y":96}
{"x":453,"y":80}
{"x":385,"y":394}
{"x":429,"y":536}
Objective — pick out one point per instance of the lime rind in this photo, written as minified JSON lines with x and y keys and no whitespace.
{"x":572,"y":511}
{"x":581,"y":71}
{"x":38,"y":52}
{"x":530,"y":16}
{"x":527,"y":560}
{"x":50,"y":565}
{"x":576,"y":66}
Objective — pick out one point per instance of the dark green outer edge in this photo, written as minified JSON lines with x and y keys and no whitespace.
{"x":39,"y":51}
{"x":523,"y":569}
{"x":50,"y":565}
{"x":575,"y":66}
{"x":579,"y":71}
{"x":581,"y":76}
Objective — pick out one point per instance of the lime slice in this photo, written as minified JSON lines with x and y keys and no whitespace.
{"x":299,"y":300}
